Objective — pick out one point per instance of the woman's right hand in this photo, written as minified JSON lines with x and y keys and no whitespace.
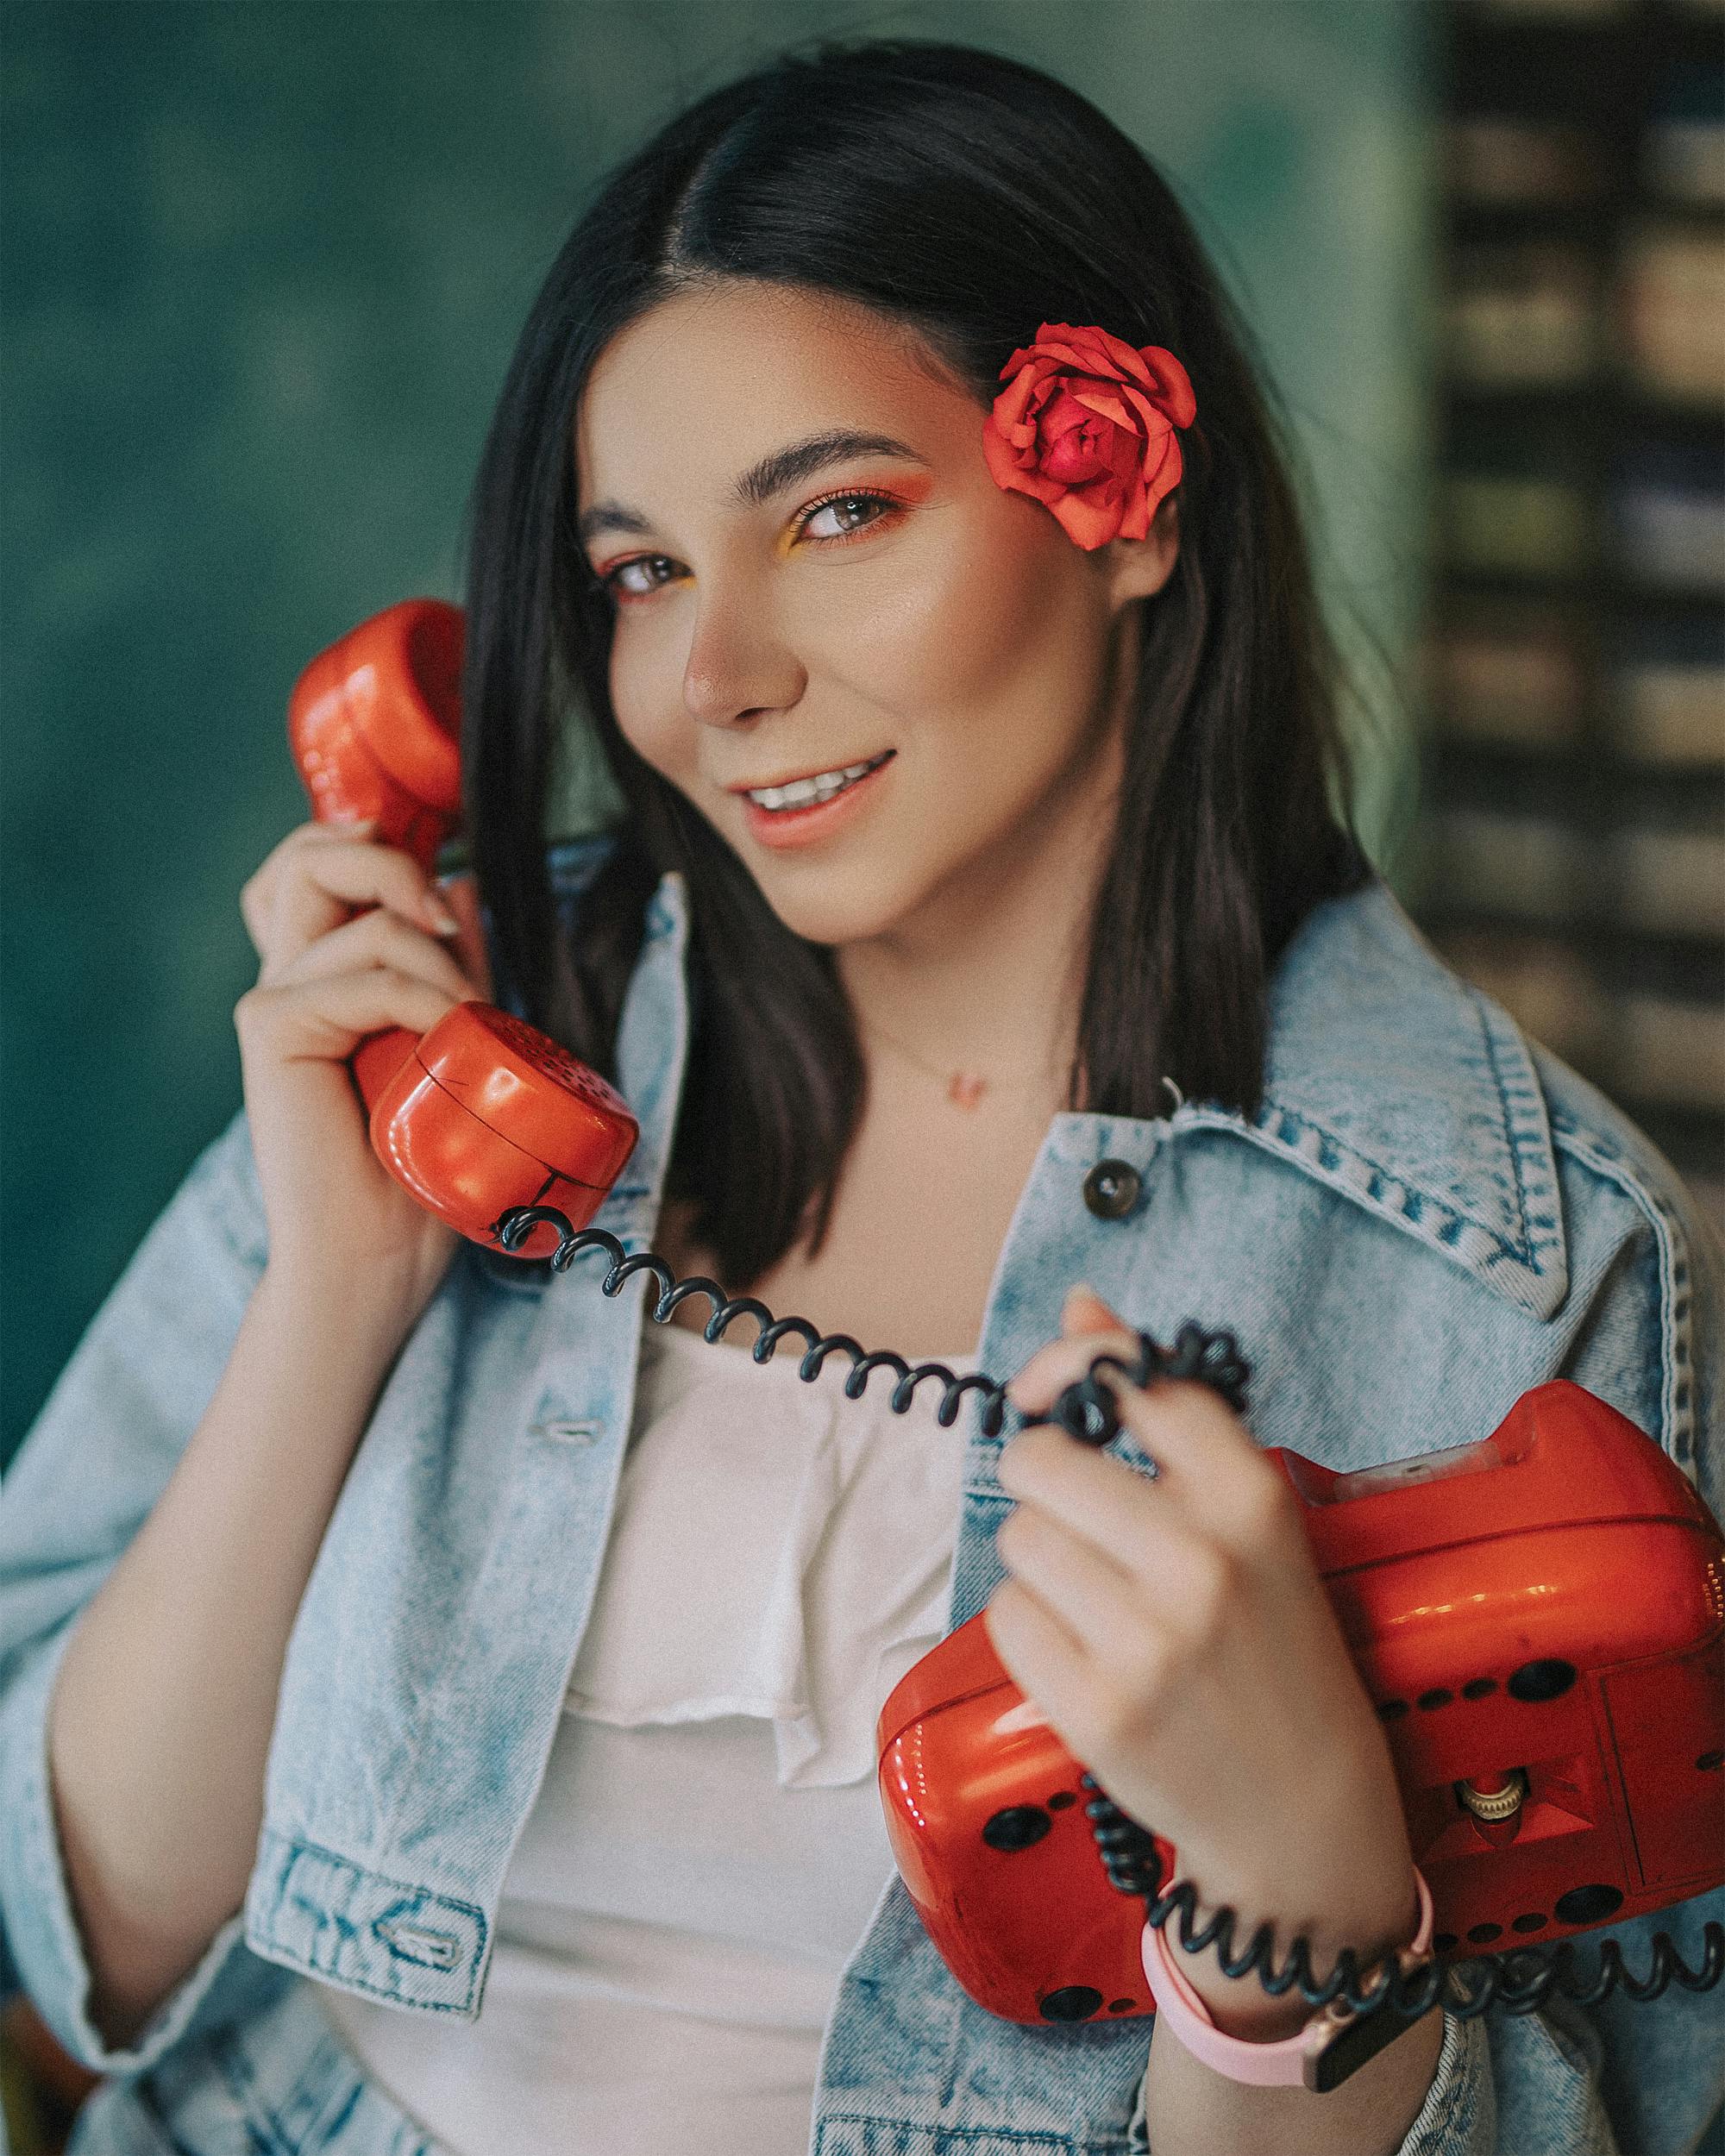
{"x":327,"y":977}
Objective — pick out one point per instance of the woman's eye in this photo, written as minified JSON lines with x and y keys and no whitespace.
{"x":874,"y":503}
{"x":622,"y":582}
{"x":613,"y":579}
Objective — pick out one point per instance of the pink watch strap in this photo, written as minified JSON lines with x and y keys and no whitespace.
{"x":1272,"y":2065}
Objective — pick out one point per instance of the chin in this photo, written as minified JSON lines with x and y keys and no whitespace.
{"x":837,"y":914}
{"x":835,"y":924}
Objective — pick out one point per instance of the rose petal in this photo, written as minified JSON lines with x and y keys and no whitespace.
{"x":1163,"y":476}
{"x":1106,"y":403}
{"x":1135,"y":521}
{"x":1151,"y":417}
{"x":1071,"y":357}
{"x":1005,"y":471}
{"x":1174,"y":384}
{"x":1091,"y":524}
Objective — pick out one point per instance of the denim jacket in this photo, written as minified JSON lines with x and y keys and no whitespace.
{"x":1426,"y":1215}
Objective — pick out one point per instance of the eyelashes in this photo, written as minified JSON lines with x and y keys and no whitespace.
{"x":888,"y":504}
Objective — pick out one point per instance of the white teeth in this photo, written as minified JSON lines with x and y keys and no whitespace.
{"x":802,"y":793}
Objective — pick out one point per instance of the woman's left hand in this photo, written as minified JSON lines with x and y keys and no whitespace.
{"x":1177,"y":1635}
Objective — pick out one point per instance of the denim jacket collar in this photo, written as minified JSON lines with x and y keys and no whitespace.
{"x":1388,"y":1079}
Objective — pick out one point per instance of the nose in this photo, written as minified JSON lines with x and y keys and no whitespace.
{"x":738,"y":664}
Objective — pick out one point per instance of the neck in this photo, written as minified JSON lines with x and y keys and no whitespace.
{"x":982,"y":985}
{"x":983,"y":981}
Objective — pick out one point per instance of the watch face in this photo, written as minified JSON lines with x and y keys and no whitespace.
{"x":1354,"y":2038}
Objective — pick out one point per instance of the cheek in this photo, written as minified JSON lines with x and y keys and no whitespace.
{"x":997,"y":666}
{"x":995,"y":616}
{"x":648,"y":702}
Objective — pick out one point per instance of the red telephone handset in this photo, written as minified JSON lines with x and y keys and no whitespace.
{"x":482,"y":1113}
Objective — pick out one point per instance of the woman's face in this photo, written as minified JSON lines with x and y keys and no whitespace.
{"x":788,"y":626}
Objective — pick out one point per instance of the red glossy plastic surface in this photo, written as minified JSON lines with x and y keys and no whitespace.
{"x":1482,"y":1591}
{"x":473,"y":1121}
{"x":483,"y":1112}
{"x":375,"y":725}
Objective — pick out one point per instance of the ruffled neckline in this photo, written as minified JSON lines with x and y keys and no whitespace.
{"x":777,"y":1550}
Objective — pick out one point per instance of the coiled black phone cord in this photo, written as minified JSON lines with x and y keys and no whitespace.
{"x":1087,"y":1410}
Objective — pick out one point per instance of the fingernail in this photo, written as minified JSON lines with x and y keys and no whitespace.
{"x":441,"y":917}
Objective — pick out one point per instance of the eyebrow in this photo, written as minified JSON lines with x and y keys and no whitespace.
{"x":776,"y":470}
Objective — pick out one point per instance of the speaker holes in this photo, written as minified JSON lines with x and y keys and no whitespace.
{"x":1018,"y":1826}
{"x":1537,"y":1682}
{"x":1077,"y":2002}
{"x":1588,"y":1904}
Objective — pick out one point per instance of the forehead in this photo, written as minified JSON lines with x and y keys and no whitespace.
{"x":690,"y":392}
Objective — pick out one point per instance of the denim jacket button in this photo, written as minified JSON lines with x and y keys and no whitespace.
{"x":1111,"y":1189}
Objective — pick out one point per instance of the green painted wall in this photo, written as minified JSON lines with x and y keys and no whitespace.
{"x":263,"y":264}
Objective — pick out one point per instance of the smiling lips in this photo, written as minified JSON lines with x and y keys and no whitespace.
{"x":837,"y":775}
{"x":804,"y":825}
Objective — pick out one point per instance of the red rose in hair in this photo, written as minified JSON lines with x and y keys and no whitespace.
{"x":1086,"y":424}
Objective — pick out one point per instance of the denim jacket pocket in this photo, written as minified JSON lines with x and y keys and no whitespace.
{"x":278,"y":2083}
{"x":843,"y":2133}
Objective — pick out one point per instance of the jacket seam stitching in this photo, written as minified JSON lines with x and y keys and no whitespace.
{"x":1510,"y":1130}
{"x":249,"y":2097}
{"x":1667,"y":1233}
{"x":1257,"y":1134}
{"x":1026,"y":2137}
{"x":295,"y":1847}
{"x":1457,"y":2102}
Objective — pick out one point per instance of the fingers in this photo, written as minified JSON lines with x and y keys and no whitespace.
{"x":460,"y":894}
{"x":1085,"y":1578}
{"x":257,"y":893}
{"x":1039,"y":1653}
{"x":322,"y":1019}
{"x":1194,"y":1437}
{"x":322,"y":884}
{"x":1084,"y":1311}
{"x":1205,"y":1460}
{"x":1088,"y":1328}
{"x":315,"y":879}
{"x":377,"y":938}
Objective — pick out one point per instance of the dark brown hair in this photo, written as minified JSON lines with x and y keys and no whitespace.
{"x":970,"y":198}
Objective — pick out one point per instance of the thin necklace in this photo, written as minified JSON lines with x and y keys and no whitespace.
{"x":963,"y":1088}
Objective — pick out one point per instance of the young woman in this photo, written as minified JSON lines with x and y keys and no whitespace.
{"x":438,"y":1706}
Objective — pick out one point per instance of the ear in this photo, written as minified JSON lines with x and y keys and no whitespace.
{"x":1137,"y":568}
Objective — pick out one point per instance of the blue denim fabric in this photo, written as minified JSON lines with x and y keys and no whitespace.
{"x":1426,"y":1216}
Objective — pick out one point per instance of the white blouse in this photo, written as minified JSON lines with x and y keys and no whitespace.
{"x":707,"y":1846}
